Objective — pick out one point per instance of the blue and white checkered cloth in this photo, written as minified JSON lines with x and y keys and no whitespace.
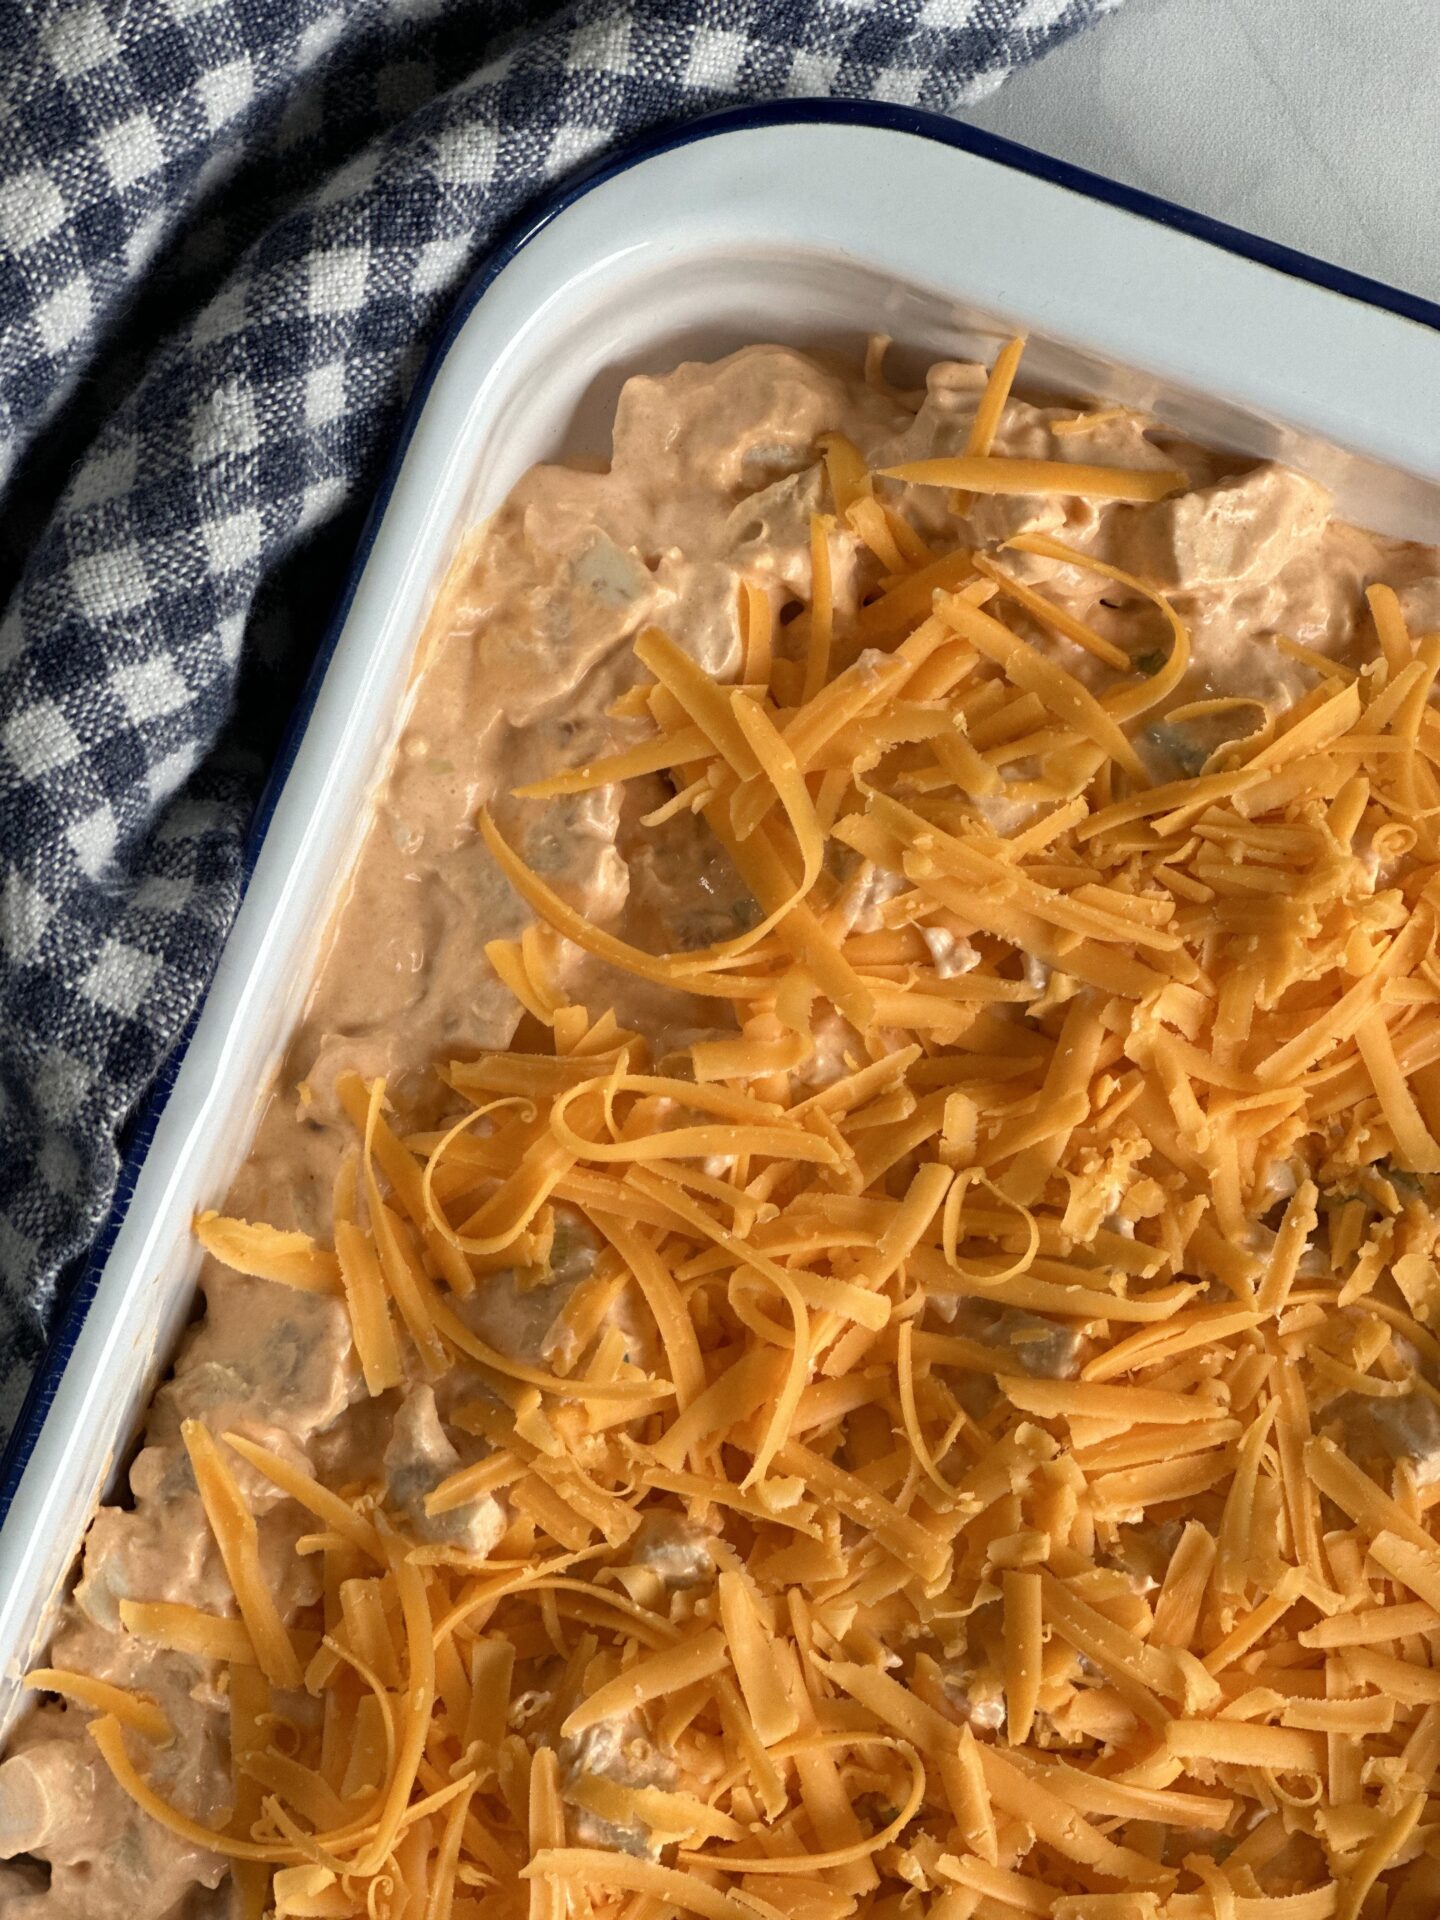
{"x":227,"y":230}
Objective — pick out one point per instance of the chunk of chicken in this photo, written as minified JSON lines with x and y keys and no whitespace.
{"x":1243,"y":527}
{"x":618,"y":1749}
{"x":1406,"y":1429}
{"x":419,"y":1456}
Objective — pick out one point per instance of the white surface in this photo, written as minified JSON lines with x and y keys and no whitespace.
{"x":789,"y":233}
{"x":1312,"y":122}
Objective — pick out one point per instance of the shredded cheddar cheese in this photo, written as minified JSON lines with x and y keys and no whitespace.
{"x":1020,"y":1297}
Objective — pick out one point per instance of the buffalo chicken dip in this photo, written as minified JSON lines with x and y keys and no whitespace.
{"x":835,"y":1311}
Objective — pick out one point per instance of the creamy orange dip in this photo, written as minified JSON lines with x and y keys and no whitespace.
{"x":1021,"y":1504}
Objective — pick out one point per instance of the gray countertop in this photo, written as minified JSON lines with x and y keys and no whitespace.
{"x":1312,"y":122}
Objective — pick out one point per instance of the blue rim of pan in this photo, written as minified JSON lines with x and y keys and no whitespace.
{"x":793,"y":113}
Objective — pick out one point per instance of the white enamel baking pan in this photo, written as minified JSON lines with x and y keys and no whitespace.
{"x":812,"y":223}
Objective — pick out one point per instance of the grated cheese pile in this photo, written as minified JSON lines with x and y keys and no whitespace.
{"x":1038,"y":1378}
